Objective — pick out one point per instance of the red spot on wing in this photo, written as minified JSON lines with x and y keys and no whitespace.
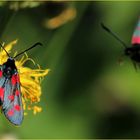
{"x":0,"y":73}
{"x":10,"y":112}
{"x":2,"y":93}
{"x":17,"y":92}
{"x":11,"y":97}
{"x":17,"y":107}
{"x":135,"y":40}
{"x":15,"y":79}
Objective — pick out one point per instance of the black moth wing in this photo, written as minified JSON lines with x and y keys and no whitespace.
{"x":12,"y":100}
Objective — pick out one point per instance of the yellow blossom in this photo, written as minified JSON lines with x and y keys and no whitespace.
{"x":37,"y":109}
{"x":30,"y":79}
{"x":55,"y":22}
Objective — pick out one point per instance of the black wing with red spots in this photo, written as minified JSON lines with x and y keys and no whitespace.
{"x":136,"y":34}
{"x":12,"y":105}
{"x":10,"y":96}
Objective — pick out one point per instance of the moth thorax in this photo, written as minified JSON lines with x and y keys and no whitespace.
{"x":8,"y":72}
{"x":9,"y":68}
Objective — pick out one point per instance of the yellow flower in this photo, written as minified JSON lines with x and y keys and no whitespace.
{"x":30,"y":79}
{"x":67,"y":15}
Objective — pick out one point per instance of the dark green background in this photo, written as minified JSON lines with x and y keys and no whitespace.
{"x":87,"y":94}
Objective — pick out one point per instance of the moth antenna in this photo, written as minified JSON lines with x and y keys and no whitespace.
{"x":4,"y":49}
{"x":36,"y":44}
{"x":114,"y":35}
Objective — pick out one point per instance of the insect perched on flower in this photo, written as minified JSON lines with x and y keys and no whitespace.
{"x":134,"y":51}
{"x":10,"y":93}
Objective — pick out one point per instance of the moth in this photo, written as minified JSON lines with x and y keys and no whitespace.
{"x":10,"y":92}
{"x":134,"y":51}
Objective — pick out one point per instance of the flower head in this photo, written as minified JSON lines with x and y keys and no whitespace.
{"x":30,"y":79}
{"x":68,"y":14}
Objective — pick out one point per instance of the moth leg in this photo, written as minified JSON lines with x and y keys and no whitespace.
{"x":120,"y":59}
{"x":138,"y":65}
{"x":135,"y":65}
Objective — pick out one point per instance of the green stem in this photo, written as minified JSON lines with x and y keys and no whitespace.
{"x":5,"y":20}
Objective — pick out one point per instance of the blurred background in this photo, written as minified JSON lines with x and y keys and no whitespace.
{"x":87,"y":94}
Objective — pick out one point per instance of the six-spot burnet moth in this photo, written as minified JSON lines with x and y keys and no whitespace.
{"x":134,"y":51}
{"x":10,"y":93}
